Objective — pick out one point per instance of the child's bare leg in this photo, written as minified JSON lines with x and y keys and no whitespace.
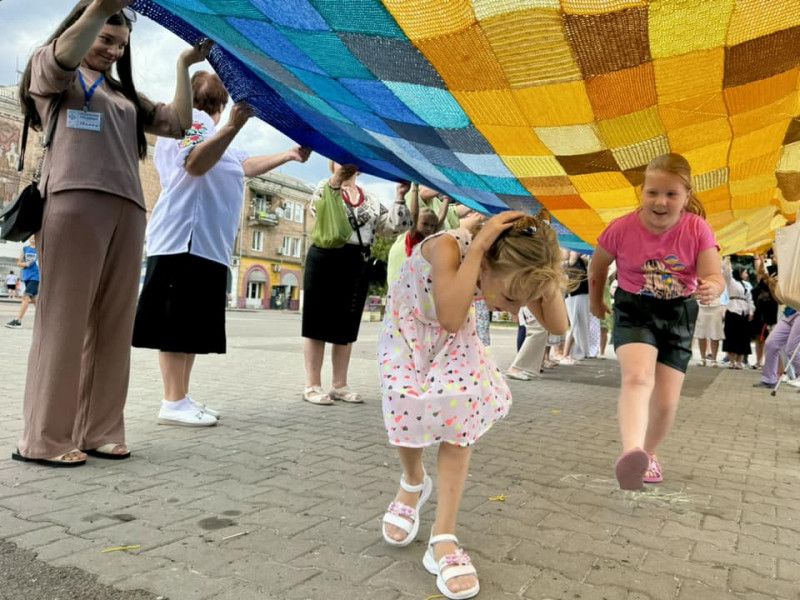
{"x":663,"y":405}
{"x":414,"y":473}
{"x":714,"y":349}
{"x":638,"y":365}
{"x":702,"y":344}
{"x":453,"y":468}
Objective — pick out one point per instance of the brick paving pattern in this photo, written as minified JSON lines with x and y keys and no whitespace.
{"x":305,"y":487}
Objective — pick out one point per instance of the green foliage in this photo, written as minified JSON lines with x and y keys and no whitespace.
{"x":380,"y":250}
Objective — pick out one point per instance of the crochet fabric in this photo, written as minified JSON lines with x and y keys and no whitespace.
{"x":524,"y":103}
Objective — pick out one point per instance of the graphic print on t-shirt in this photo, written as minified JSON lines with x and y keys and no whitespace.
{"x":660,"y":280}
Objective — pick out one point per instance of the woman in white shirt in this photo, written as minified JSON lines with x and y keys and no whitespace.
{"x":737,"y":316}
{"x":190,"y":238}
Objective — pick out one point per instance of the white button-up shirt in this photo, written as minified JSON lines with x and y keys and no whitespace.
{"x":198,"y":215}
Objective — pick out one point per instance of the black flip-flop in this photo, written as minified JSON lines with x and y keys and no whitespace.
{"x":48,"y":462}
{"x":107,"y":455}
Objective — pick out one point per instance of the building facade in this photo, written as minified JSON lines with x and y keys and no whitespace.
{"x":270,"y":250}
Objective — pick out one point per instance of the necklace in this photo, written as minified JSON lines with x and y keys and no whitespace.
{"x":346,"y":197}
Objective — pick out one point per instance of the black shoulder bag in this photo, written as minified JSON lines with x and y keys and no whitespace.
{"x":23,"y":217}
{"x":374,"y":269}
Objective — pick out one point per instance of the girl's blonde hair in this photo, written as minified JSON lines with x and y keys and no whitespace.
{"x":677,"y":165}
{"x":529,"y":252}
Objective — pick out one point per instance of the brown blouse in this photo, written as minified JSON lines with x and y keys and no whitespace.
{"x":107,"y":160}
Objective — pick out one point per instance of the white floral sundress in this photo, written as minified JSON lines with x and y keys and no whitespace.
{"x":436,"y":386}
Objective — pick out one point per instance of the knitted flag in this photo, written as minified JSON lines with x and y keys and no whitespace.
{"x":529,"y":103}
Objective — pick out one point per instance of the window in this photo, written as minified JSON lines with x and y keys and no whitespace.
{"x":260,"y":204}
{"x":255,"y":290}
{"x":296,"y":247}
{"x":258,"y":241}
{"x":298,"y":213}
{"x":286,"y":249}
{"x":288,"y":210}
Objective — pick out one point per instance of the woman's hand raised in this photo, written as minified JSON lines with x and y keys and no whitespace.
{"x":197,"y":53}
{"x":240,"y":114}
{"x":110,"y":7}
{"x":343,"y":173}
{"x":299,"y":153}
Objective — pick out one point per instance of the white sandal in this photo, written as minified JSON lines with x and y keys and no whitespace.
{"x":407,"y":517}
{"x":316,"y":395}
{"x":345,"y":395}
{"x":449,"y":566}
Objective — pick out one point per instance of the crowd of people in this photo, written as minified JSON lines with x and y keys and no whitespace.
{"x":449,"y":268}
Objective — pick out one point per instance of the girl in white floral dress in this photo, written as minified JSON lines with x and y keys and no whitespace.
{"x":438,"y":382}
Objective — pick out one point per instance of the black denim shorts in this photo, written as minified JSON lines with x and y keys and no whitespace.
{"x":666,"y":324}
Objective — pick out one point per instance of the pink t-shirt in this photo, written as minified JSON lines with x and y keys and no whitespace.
{"x":659,"y":265}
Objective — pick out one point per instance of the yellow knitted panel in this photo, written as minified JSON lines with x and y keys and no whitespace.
{"x":609,"y":214}
{"x":779,"y":111}
{"x":747,"y":97}
{"x":514,"y":140}
{"x":531,"y":47}
{"x":757,"y":142}
{"x":754,"y":185}
{"x":598,"y":182}
{"x":790,"y":158}
{"x":555,"y":104}
{"x":696,"y":136}
{"x":681,"y":77}
{"x":598,"y":7}
{"x":570,"y":140}
{"x":485,"y":9}
{"x":710,"y":180}
{"x":465,"y":61}
{"x":631,"y":129}
{"x":694,"y":110}
{"x":491,"y":107}
{"x":557,"y":185}
{"x":708,"y":158}
{"x":533,"y":166}
{"x":681,"y":26}
{"x":752,"y":200}
{"x":758,"y":165}
{"x":637,"y":155}
{"x":611,"y":198}
{"x":754,"y":19}
{"x":587,"y":222}
{"x":422,"y":19}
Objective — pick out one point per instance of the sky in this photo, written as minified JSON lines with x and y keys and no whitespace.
{"x":26,"y":24}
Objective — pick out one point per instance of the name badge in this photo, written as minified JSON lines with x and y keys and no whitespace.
{"x":84,"y":119}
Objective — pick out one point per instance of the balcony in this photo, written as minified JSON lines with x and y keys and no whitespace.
{"x":263,"y":217}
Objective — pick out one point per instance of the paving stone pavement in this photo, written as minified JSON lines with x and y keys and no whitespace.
{"x":283,"y":499}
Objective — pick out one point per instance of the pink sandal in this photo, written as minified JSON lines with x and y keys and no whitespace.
{"x":631,"y":468}
{"x":655,"y":468}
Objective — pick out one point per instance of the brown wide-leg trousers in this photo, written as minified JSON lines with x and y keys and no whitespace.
{"x":90,"y":257}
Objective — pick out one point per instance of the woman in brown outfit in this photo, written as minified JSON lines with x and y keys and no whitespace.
{"x":90,"y":244}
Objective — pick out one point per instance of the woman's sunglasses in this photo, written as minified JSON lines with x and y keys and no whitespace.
{"x":129,"y":14}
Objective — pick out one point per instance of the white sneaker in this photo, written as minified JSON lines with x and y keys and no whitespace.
{"x":194,"y":417}
{"x":794,"y":382}
{"x":205,"y":408}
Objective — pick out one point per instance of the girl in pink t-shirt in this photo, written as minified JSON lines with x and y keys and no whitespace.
{"x":667,"y":259}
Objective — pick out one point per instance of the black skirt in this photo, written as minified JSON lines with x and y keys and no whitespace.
{"x":737,"y":333}
{"x":182,"y":305}
{"x":335,"y":286}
